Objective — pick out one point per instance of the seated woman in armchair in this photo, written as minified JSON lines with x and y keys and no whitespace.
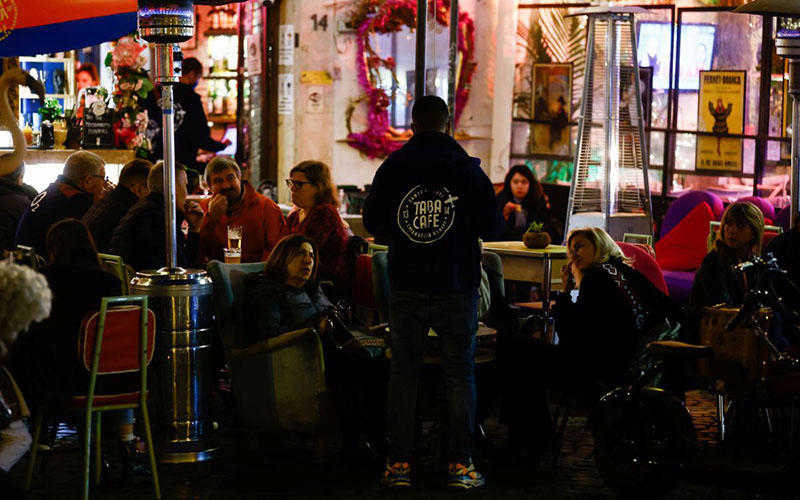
{"x":287,"y":296}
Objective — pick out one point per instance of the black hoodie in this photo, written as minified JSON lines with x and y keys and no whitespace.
{"x":14,"y":201}
{"x":433,"y":200}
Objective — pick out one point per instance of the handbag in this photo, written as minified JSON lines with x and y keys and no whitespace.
{"x":352,"y":342}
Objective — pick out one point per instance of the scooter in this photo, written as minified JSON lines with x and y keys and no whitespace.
{"x":645,"y":441}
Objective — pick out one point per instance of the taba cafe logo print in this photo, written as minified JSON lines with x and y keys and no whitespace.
{"x":426,"y":214}
{"x":8,"y":18}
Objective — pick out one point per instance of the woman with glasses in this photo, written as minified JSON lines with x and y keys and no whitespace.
{"x":316,"y":216}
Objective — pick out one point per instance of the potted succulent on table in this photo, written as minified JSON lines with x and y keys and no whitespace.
{"x":534,"y":237}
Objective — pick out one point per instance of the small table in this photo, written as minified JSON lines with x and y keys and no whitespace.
{"x":530,"y":265}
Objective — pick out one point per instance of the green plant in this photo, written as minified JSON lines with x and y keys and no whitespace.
{"x":535,"y":227}
{"x":51,"y":110}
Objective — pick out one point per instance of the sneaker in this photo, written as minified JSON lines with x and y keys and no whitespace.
{"x":397,"y":475}
{"x":464,"y":476}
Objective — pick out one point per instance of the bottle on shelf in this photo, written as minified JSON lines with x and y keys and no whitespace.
{"x":214,"y":19}
{"x":231,"y":99}
{"x":212,"y":95}
{"x":219,"y":99}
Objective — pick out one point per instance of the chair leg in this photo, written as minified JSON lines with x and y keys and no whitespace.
{"x":87,"y":450}
{"x":37,"y":432}
{"x":561,"y":416}
{"x":151,"y":452}
{"x":98,"y":465}
{"x":721,"y":418}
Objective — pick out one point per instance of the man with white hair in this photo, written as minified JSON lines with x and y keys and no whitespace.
{"x":82,"y":182}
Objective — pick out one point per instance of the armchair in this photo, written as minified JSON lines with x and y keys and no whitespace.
{"x":278,"y":383}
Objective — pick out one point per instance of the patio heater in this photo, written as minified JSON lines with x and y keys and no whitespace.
{"x":180,"y":298}
{"x":610,"y":187}
{"x":787,"y":44}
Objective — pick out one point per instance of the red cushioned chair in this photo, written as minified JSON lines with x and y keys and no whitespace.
{"x":116,"y":340}
{"x":645,"y":264}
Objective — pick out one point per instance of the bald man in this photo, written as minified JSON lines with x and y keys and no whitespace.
{"x":80,"y":184}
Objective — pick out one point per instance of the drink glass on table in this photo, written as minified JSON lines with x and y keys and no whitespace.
{"x":233,"y":255}
{"x":235,"y":237}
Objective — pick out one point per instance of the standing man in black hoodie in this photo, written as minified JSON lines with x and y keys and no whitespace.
{"x":433,"y":201}
{"x":191,"y":125}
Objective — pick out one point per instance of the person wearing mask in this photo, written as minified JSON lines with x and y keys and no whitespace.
{"x":316,"y":215}
{"x":191,"y":125}
{"x":14,"y":201}
{"x":102,"y":218}
{"x":140,"y":237}
{"x":434,"y":202}
{"x":717,"y":282}
{"x":523,"y":201}
{"x":82,"y":182}
{"x":236,"y":203}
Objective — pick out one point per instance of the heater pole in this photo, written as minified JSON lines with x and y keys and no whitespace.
{"x":419,"y":67}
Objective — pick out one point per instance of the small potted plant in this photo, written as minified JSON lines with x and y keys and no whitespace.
{"x":534,"y":237}
{"x":50,"y":111}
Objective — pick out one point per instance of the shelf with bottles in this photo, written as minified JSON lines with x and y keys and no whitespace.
{"x":57,"y":74}
{"x":224,"y":19}
{"x":223,"y":55}
{"x":222,"y":98}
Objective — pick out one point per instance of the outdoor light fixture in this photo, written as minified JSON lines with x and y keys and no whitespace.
{"x":787,"y":43}
{"x":180,"y":298}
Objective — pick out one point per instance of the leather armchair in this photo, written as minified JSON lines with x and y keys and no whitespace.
{"x":278,"y":383}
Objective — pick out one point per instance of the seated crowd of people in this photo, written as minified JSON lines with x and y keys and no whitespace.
{"x":605,"y":310}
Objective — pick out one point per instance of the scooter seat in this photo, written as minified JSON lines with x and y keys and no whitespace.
{"x":674,"y":349}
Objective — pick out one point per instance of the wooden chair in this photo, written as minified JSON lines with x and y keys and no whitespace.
{"x":116,"y":340}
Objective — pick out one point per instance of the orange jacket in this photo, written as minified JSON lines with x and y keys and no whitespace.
{"x":262,"y":224}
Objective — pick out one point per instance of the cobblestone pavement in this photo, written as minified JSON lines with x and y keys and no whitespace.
{"x":246,"y":469}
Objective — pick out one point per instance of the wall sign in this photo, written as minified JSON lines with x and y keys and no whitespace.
{"x":286,"y":45}
{"x":720,"y":109}
{"x":98,"y":131}
{"x":315,"y":99}
{"x":286,"y":94}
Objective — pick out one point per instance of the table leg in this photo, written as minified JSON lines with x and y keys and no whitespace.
{"x":546,"y":265}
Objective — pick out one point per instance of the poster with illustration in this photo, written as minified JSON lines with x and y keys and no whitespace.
{"x":552,"y":108}
{"x":786,"y":147}
{"x":720,"y":110}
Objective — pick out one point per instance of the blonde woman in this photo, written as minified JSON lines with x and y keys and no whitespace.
{"x":600,"y":330}
{"x":738,"y":240}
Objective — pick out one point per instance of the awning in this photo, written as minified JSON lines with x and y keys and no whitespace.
{"x":30,"y":27}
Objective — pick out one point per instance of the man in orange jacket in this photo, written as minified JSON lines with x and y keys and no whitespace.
{"x":236,"y":203}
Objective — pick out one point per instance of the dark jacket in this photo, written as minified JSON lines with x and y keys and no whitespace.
{"x":715,"y":283}
{"x":14,"y":201}
{"x":786,"y":248}
{"x":602,"y":329}
{"x":52,"y":369}
{"x":433,"y":200}
{"x":61,"y":200}
{"x":140,"y":237}
{"x":191,"y":125}
{"x":272,"y":308}
{"x":537,"y":213}
{"x":102,"y":218}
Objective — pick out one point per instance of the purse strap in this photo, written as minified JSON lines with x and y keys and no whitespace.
{"x":631,"y":296}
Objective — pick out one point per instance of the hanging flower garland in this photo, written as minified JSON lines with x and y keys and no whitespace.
{"x":130,"y":89}
{"x":390,"y":16}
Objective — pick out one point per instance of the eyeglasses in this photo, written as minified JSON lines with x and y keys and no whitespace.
{"x":104,"y":177}
{"x":296,"y":185}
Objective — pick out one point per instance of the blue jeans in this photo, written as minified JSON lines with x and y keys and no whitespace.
{"x":454,"y":318}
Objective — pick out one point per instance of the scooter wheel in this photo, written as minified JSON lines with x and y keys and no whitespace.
{"x":625,"y":447}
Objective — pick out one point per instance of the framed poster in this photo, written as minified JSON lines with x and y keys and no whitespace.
{"x":720,"y":109}
{"x":552,"y":109}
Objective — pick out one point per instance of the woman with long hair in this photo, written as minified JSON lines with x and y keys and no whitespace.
{"x":523,"y":201}
{"x":717,"y":282}
{"x":316,"y":216}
